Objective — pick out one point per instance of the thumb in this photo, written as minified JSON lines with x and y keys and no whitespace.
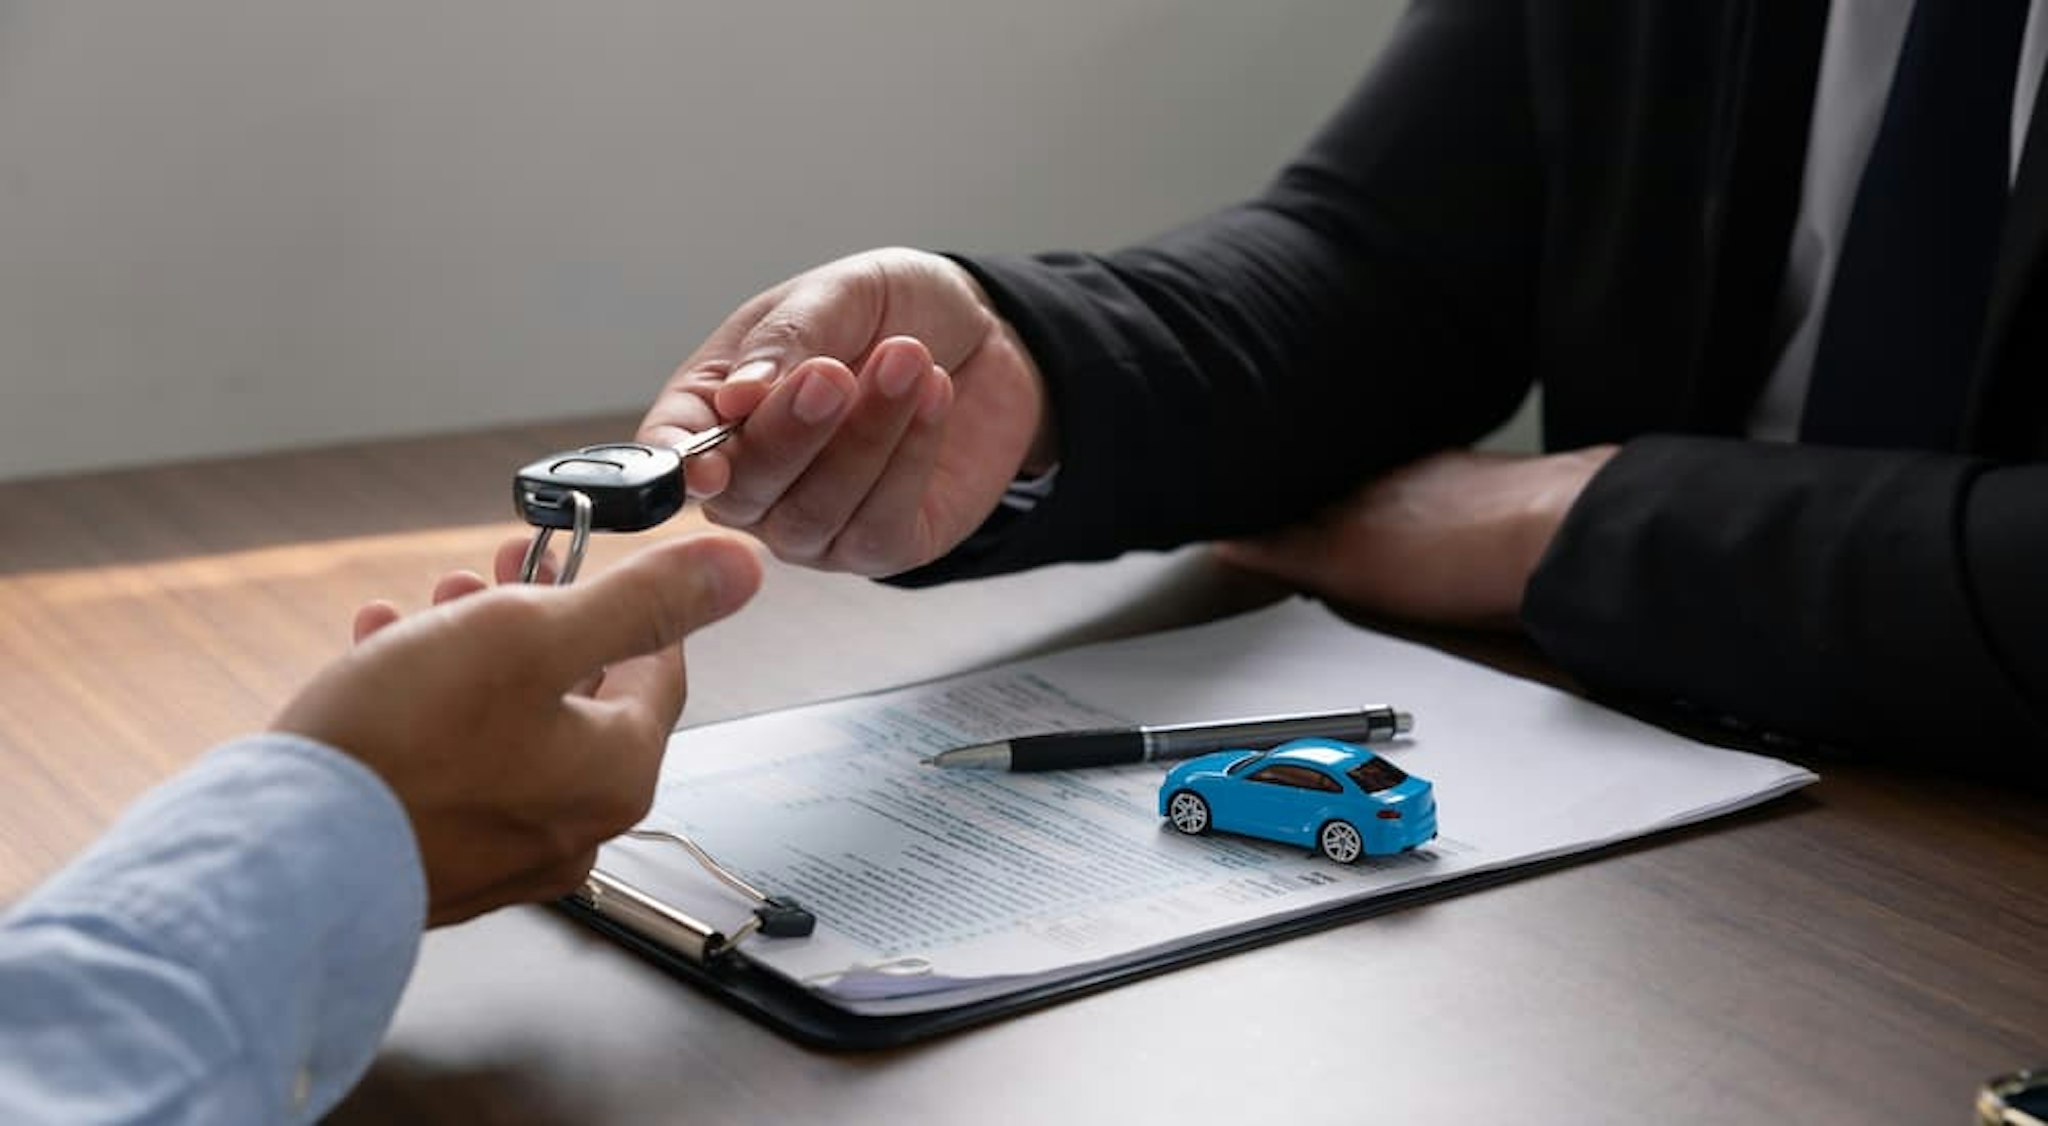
{"x":650,"y":601}
{"x":832,"y":313}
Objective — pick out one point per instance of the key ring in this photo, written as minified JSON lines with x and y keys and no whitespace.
{"x":579,"y":540}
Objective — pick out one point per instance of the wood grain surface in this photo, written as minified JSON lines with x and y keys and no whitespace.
{"x":1864,"y":952}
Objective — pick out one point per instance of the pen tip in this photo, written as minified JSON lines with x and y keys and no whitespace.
{"x":983,"y":756}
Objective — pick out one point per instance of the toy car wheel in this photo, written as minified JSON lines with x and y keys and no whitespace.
{"x":1340,"y":842}
{"x":1188,"y":812}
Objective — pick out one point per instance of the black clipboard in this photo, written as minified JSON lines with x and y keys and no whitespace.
{"x":793,"y":1011}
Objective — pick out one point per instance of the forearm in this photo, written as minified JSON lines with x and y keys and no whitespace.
{"x":1373,"y":305}
{"x":231,"y":950}
{"x":1875,"y":601}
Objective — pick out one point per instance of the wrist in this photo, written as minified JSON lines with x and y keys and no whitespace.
{"x":1042,"y":454}
{"x":1557,"y":489}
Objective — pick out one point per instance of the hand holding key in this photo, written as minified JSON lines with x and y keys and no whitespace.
{"x":887,"y":403}
{"x":613,"y":487}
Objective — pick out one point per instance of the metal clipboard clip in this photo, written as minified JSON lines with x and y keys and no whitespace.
{"x":621,"y":902}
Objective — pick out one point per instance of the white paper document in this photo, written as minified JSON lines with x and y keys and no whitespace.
{"x":935,"y":888}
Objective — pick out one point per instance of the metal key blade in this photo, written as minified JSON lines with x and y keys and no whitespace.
{"x":708,"y":440}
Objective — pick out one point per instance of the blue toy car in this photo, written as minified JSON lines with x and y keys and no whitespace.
{"x":1341,"y":800}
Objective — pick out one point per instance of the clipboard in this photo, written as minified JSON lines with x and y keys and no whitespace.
{"x":690,"y":951}
{"x":826,"y":800}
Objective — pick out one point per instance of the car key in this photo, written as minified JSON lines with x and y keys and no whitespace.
{"x":611,"y":487}
{"x":630,"y":487}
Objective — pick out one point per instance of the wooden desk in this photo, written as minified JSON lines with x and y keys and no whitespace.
{"x":1864,"y":952}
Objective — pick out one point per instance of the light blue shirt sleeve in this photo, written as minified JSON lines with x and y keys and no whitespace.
{"x":231,"y":951}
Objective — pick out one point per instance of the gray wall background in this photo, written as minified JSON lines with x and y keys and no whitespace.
{"x":232,"y":225}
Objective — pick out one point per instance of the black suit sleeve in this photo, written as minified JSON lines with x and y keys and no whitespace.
{"x":1379,"y":303}
{"x":1374,"y":304}
{"x":1871,"y":600}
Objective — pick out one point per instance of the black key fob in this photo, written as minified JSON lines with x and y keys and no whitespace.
{"x":631,"y":487}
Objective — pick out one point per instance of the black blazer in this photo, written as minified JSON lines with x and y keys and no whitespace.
{"x":1596,"y":194}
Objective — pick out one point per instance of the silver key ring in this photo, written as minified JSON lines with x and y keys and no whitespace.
{"x":579,"y":540}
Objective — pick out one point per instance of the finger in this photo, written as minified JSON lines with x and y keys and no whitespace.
{"x":458,"y":584}
{"x":707,"y":475}
{"x":783,"y":437}
{"x":831,"y":312}
{"x":567,"y":877}
{"x":632,"y":714}
{"x":892,"y":525}
{"x":810,"y":514}
{"x":370,"y":618}
{"x":683,"y":407}
{"x":648,"y":602}
{"x":511,"y":559}
{"x":590,"y":685}
{"x":648,"y":679}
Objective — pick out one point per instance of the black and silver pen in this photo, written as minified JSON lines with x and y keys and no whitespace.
{"x":1067,"y":750}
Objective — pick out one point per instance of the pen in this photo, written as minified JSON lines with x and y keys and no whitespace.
{"x":1115,"y":746}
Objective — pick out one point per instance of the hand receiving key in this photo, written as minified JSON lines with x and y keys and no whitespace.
{"x":614,"y":487}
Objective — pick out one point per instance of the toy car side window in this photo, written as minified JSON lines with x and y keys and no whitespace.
{"x":1299,"y":777}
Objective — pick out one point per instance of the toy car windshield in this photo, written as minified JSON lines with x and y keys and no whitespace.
{"x":1243,"y":764}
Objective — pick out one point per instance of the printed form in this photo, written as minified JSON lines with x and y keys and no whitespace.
{"x":935,"y":887}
